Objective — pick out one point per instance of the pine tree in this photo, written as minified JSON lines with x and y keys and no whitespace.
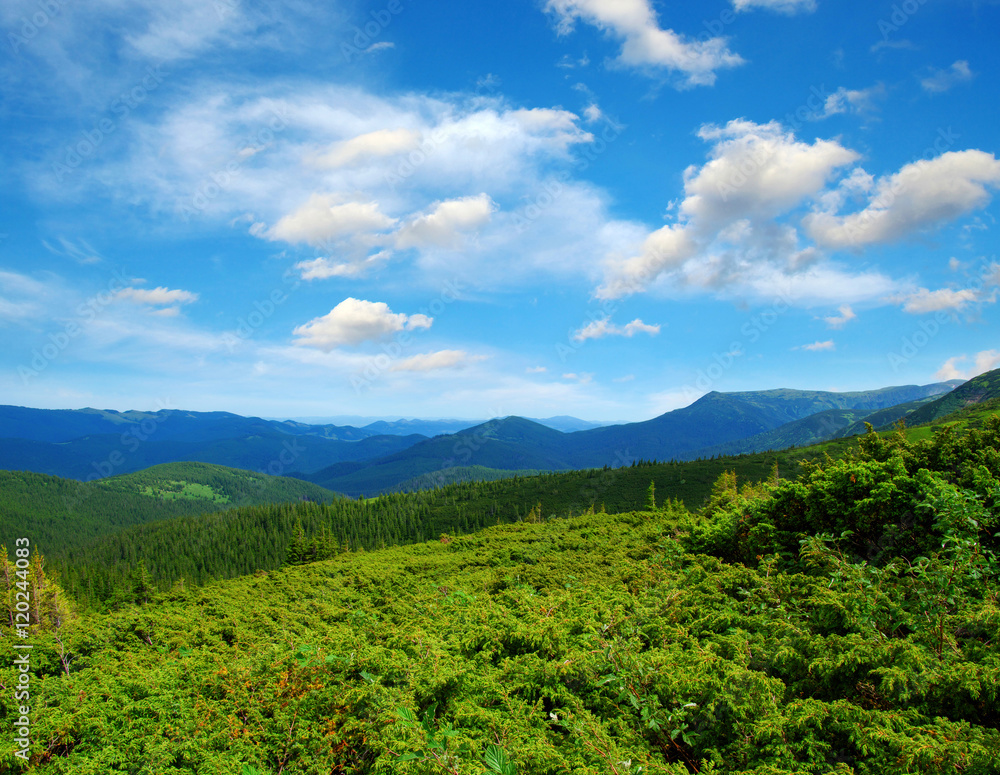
{"x":297,"y":547}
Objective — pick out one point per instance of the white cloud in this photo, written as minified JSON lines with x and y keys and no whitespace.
{"x":757,"y":170}
{"x":444,"y":226}
{"x":817,"y":346}
{"x":443,"y":359}
{"x":369,"y":146}
{"x":323,"y":219}
{"x":325,"y":268}
{"x":157,"y":296}
{"x":535,"y":370}
{"x":354,"y":321}
{"x":583,"y":378}
{"x":940,"y":81}
{"x":724,"y":232}
{"x":592,"y":113}
{"x":626,"y":378}
{"x":924,"y":301}
{"x":986,"y":360}
{"x":781,"y":6}
{"x":920,"y":197}
{"x":598,"y":329}
{"x":644,"y":43}
{"x":852,"y":101}
{"x":839,"y":321}
{"x":383,"y":45}
{"x":82,"y":253}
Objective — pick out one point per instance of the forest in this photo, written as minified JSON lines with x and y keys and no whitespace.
{"x":841,"y":621}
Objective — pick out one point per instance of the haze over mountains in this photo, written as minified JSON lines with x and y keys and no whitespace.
{"x":88,"y":444}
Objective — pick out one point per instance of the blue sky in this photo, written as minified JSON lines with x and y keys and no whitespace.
{"x":603,"y":208}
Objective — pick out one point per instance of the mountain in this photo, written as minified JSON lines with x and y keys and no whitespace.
{"x":422,"y":427}
{"x":90,"y":443}
{"x":268,"y":451}
{"x":833,"y":423}
{"x":512,"y":443}
{"x":718,"y":418}
{"x":698,"y":430}
{"x":977,"y":390}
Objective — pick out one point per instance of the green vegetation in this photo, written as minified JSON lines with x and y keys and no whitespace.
{"x":843,"y":622}
{"x":64,"y":514}
{"x":239,"y":541}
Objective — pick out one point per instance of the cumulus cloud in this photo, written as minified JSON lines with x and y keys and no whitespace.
{"x":354,"y":321}
{"x":755,"y":173}
{"x":583,"y":378}
{"x":323,"y":218}
{"x":983,"y":361}
{"x":781,"y":6}
{"x":940,"y":81}
{"x":924,"y":301}
{"x":644,"y":43}
{"x":535,"y":370}
{"x":436,"y":361}
{"x":368,"y":146}
{"x":839,"y":321}
{"x":921,"y":196}
{"x":445,"y":224}
{"x":598,"y":329}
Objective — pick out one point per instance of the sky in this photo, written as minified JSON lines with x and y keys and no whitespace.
{"x":599,"y":208}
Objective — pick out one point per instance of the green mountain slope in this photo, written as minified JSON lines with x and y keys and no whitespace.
{"x":977,"y":390}
{"x":625,"y":643}
{"x":61,"y":514}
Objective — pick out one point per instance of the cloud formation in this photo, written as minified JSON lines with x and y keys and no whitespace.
{"x":839,"y":321}
{"x":445,"y":224}
{"x":940,"y":81}
{"x":167,"y":302}
{"x":598,"y":329}
{"x":985,"y":360}
{"x":368,"y":146}
{"x":644,"y":43}
{"x":354,"y":321}
{"x":323,"y":219}
{"x":755,"y":173}
{"x":920,"y":197}
{"x":925,"y":301}
{"x":817,"y":346}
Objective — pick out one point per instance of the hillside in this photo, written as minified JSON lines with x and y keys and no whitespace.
{"x":62,"y":514}
{"x":977,"y":390}
{"x":655,"y":641}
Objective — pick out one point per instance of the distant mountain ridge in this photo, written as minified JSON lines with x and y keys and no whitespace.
{"x":683,"y":434}
{"x":90,"y":443}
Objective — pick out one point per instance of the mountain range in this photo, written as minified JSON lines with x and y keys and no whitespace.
{"x":89,"y":444}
